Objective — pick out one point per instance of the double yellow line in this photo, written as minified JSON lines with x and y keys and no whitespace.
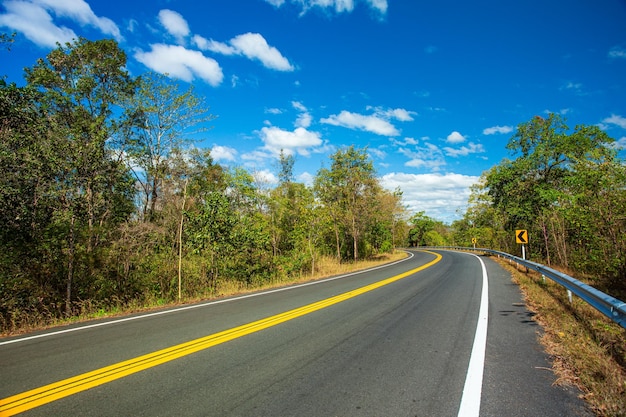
{"x":61,"y":389}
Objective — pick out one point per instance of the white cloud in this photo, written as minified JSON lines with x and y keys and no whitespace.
{"x":562,"y":111}
{"x":304,"y":118}
{"x":276,"y":3}
{"x":617,"y":52}
{"x":174,"y":23}
{"x":213,"y":46}
{"x":374,"y":124}
{"x":34,"y":19}
{"x":464,"y":150}
{"x":380,"y":5}
{"x":252,"y":46}
{"x":428,"y":156}
{"x":264,"y":177}
{"x":498,"y":129}
{"x":619,"y":144}
{"x":299,"y":141}
{"x":455,"y":137}
{"x":223,"y":153}
{"x":441,"y":196}
{"x":402,"y":115}
{"x":377,"y":152}
{"x":339,"y":6}
{"x":181,"y":63}
{"x":306,"y":178}
{"x":616,"y":120}
{"x":299,"y":106}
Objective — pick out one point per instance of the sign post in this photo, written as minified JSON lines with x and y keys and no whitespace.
{"x":474,"y":242}
{"x":521,"y":236}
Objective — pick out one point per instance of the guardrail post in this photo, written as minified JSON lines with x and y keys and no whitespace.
{"x":569,"y":296}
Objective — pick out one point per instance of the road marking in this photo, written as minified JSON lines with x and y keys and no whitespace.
{"x":470,"y":401}
{"x":61,"y":389}
{"x":194,"y":306}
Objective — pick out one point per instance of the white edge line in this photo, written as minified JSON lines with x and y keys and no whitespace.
{"x":470,"y":401}
{"x":210,"y":303}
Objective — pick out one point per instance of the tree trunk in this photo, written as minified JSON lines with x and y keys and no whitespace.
{"x":70,"y":269}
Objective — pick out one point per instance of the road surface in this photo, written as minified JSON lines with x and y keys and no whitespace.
{"x":402,"y":340}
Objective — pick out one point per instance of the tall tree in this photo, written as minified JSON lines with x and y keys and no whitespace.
{"x":348,"y":189}
{"x":163,"y":118}
{"x":81,"y":83}
{"x":566,"y":187}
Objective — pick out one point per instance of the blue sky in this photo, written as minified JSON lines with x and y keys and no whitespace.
{"x":433,"y":89}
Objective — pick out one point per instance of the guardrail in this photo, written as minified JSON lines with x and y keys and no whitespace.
{"x":609,"y":306}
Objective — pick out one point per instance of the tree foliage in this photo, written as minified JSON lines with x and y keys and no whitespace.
{"x":566,"y":187}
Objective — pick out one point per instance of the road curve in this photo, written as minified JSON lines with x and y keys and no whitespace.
{"x":399,"y":348}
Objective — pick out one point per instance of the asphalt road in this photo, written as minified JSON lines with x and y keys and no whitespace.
{"x":350,"y":346}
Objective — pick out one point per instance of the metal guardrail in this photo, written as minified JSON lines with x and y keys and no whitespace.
{"x":609,"y":306}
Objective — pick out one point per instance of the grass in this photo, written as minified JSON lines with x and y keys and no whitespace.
{"x":325,"y":267}
{"x":587,"y":349}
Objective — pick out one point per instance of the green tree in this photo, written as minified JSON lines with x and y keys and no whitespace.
{"x":348,"y":190}
{"x":81,"y":84}
{"x":420,"y":224}
{"x":566,"y":188}
{"x":162,"y":119}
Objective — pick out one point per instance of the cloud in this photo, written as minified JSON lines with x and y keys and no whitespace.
{"x":251,"y":45}
{"x":616,"y":120}
{"x":223,"y":153}
{"x":377,"y":123}
{"x":306,"y":178}
{"x":298,"y":141}
{"x":34,"y":19}
{"x":441,"y":196}
{"x":617,"y":52}
{"x":181,"y":63}
{"x":274,"y":110}
{"x":576,"y":88}
{"x":304,"y":118}
{"x":464,"y":150}
{"x":373,"y":124}
{"x":377,"y":153}
{"x":398,"y":114}
{"x":264,"y":177}
{"x":174,"y":23}
{"x":254,"y":46}
{"x":338,"y":6}
{"x":455,"y":137}
{"x":619,"y":144}
{"x":498,"y":129}
{"x":428,"y":156}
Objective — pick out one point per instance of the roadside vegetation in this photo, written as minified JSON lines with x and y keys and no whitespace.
{"x":106,"y":202}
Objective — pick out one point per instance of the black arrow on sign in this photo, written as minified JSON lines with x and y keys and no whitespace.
{"x":521,"y":236}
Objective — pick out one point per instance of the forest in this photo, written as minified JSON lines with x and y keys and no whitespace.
{"x":106,"y":201}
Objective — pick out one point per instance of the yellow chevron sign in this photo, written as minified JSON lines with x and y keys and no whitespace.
{"x":521,"y":236}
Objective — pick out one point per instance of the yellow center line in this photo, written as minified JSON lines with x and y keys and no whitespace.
{"x":39,"y":396}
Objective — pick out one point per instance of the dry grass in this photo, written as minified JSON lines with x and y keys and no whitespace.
{"x":587,"y":349}
{"x":324,"y":267}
